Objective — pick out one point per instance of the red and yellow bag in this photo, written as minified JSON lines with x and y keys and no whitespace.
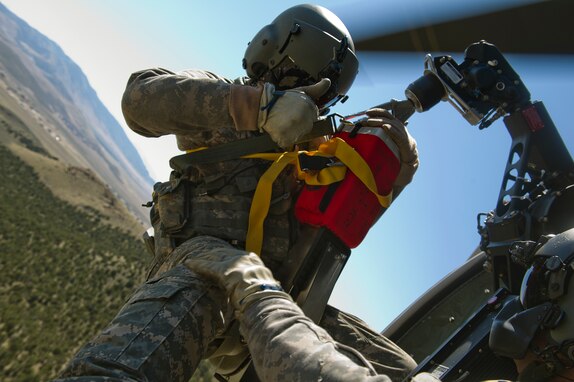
{"x":350,"y":207}
{"x":346,"y":196}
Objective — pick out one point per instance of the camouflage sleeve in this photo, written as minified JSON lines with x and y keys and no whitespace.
{"x":287,"y":346}
{"x":157,"y":102}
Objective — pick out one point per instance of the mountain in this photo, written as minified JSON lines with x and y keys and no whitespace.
{"x":62,"y":113}
{"x":70,"y":208}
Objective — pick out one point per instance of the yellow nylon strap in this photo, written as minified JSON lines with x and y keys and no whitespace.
{"x":197,"y":149}
{"x":325,"y":176}
{"x":262,"y":198}
{"x":351,"y":158}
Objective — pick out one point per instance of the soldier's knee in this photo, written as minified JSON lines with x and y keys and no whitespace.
{"x":194,"y":246}
{"x":175,"y":313}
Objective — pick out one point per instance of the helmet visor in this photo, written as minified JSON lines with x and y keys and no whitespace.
{"x":322,"y":55}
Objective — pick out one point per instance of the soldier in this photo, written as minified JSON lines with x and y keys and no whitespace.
{"x":298,"y":66}
{"x":536,"y":329}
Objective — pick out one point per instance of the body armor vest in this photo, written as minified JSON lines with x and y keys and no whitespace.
{"x":215,"y":199}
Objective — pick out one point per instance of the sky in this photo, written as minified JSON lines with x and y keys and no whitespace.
{"x":431,"y":228}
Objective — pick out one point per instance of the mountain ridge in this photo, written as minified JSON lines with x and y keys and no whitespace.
{"x":71,"y":218}
{"x":71,"y":122}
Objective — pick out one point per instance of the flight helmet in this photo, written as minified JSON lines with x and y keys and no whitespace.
{"x":302,"y":45}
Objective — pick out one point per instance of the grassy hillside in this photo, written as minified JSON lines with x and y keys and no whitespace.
{"x":65,"y":273}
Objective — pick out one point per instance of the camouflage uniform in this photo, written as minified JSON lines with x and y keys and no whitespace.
{"x":287,"y":346}
{"x":174,"y":320}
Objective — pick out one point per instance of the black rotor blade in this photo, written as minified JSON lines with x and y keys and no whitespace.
{"x":545,"y":27}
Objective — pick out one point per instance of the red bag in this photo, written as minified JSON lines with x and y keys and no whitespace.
{"x":348,"y":208}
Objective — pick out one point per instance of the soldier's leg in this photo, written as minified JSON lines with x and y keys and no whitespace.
{"x":385,"y":356}
{"x":162,"y":333}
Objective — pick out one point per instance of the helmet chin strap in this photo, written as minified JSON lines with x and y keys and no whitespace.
{"x":334,"y":67}
{"x":287,"y":75}
{"x":295,"y":77}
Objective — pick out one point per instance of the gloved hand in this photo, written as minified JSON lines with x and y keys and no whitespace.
{"x":404,"y":141}
{"x":289,"y":114}
{"x":243,"y":276}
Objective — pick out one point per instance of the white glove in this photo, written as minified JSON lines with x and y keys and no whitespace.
{"x":243,"y":276}
{"x":407,"y":145}
{"x":287,"y":115}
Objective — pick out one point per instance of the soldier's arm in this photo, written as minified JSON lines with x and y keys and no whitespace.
{"x":285,"y":345}
{"x":157,"y":102}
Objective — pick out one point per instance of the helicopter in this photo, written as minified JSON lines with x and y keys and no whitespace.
{"x":536,"y":198}
{"x":536,"y":195}
{"x":461,"y":351}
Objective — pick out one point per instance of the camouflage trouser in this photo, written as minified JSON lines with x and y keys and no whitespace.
{"x":175,"y":320}
{"x":384,"y":355}
{"x":161,"y":334}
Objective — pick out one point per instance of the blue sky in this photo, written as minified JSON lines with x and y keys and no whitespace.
{"x":431,"y":228}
